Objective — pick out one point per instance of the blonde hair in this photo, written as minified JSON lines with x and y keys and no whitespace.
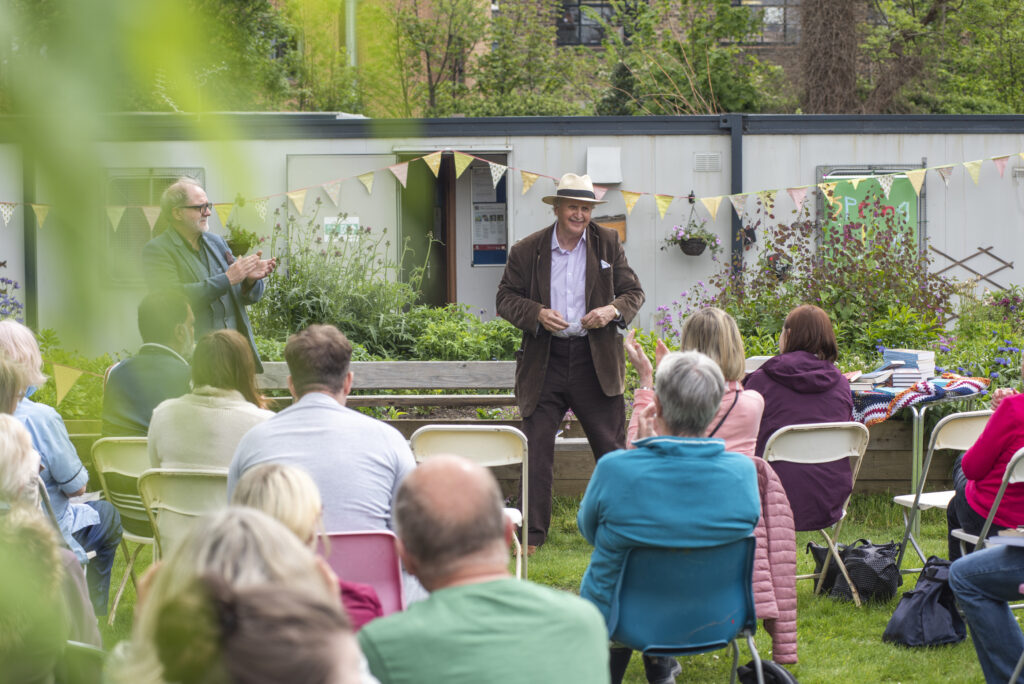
{"x":19,"y":343}
{"x":714,"y":333}
{"x":286,"y":494}
{"x":12,"y":384}
{"x":19,"y":463}
{"x":242,"y":546}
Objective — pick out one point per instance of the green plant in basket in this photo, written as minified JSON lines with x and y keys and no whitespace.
{"x":692,"y":233}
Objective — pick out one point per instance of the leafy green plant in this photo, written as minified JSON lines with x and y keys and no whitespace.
{"x":84,"y":401}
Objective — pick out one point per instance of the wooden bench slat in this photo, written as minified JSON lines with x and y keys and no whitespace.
{"x":382,"y":375}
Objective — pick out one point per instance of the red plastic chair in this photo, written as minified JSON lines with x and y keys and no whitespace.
{"x":368,"y":558}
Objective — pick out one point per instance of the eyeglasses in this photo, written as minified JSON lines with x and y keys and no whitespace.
{"x":201,"y":207}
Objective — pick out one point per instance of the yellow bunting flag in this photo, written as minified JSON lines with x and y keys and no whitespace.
{"x":828,"y":192}
{"x":461,"y":162}
{"x":401,"y":172}
{"x":64,"y":378}
{"x":433,"y":160}
{"x":41,"y":211}
{"x":739,"y":204}
{"x":973,"y":168}
{"x":711,"y":204}
{"x":1000,"y":163}
{"x":298,"y":198}
{"x":497,"y":171}
{"x":151,"y":214}
{"x":767,"y":198}
{"x":945,"y":172}
{"x":6,"y":211}
{"x":528,"y":180}
{"x":855,"y":181}
{"x":630,"y":199}
{"x":115,"y":214}
{"x":916,"y":178}
{"x":333,"y":191}
{"x":224,"y":212}
{"x":663,"y":201}
{"x":367,"y":180}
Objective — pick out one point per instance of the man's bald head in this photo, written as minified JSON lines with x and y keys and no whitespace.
{"x":449,"y":512}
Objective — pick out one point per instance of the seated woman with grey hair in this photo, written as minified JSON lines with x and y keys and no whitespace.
{"x":675,"y":489}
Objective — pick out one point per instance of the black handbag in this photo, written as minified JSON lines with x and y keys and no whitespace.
{"x":927,"y":615}
{"x":872,"y":569}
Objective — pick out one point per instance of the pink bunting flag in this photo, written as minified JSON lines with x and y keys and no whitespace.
{"x":599,"y":191}
{"x":151,"y":214}
{"x":799,"y":196}
{"x":401,"y":172}
{"x":944,"y":173}
{"x":1000,"y":163}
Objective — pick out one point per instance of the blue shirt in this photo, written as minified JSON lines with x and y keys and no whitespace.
{"x":63,"y":472}
{"x":673,"y":492}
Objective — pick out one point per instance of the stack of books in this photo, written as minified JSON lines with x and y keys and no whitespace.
{"x":865,"y":382}
{"x":917,"y":365}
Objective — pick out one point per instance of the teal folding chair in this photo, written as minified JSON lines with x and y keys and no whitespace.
{"x":671,"y":602}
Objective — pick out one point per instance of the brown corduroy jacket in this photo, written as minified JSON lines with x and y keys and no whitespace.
{"x":525,"y":289}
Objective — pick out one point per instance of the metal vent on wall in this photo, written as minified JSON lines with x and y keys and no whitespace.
{"x":707,"y":162}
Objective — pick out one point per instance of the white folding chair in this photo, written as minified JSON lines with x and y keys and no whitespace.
{"x":816,"y":443}
{"x":958,"y":431}
{"x":119,"y":461}
{"x":490,"y":446}
{"x":176,"y":497}
{"x":1014,"y":473}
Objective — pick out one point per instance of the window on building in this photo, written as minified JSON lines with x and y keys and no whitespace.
{"x":134,"y":189}
{"x":780,"y":21}
{"x":578,"y":27}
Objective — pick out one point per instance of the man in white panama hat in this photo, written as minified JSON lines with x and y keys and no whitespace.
{"x":569,"y":288}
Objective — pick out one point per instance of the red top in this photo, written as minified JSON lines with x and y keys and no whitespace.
{"x":361,"y":603}
{"x":985,"y":462}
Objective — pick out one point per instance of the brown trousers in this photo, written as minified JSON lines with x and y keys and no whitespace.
{"x":569,"y":382}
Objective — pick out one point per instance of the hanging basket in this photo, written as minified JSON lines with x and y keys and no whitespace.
{"x":693,"y":246}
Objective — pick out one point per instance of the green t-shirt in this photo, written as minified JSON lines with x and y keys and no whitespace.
{"x":506,"y":631}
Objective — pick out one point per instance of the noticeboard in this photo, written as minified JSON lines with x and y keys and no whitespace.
{"x":857,"y":204}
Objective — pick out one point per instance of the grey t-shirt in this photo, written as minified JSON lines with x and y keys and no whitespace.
{"x":356,"y":461}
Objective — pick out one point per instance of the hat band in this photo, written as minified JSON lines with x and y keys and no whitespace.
{"x":584,"y":194}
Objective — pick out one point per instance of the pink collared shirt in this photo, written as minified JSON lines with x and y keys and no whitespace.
{"x":568,"y":283}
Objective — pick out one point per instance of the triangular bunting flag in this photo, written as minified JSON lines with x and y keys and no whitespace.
{"x":115,"y":214}
{"x":298,"y":198}
{"x":828,"y":193}
{"x":260,"y":205}
{"x":630,"y":199}
{"x":916,"y":178}
{"x":64,"y":378}
{"x":461,"y":162}
{"x":973,"y":168}
{"x":945,"y":172}
{"x":599,"y":192}
{"x":497,"y":171}
{"x":224,"y":212}
{"x":886,"y":183}
{"x":711,"y":204}
{"x":401,"y":172}
{"x":41,"y":211}
{"x":528,"y":180}
{"x":739,"y":204}
{"x":432,"y":160}
{"x":663,"y":201}
{"x":6,"y":211}
{"x":767,"y":198}
{"x":333,"y":191}
{"x":855,"y":181}
{"x":367,"y":180}
{"x":1000,"y":163}
{"x":151,"y":214}
{"x":799,"y":196}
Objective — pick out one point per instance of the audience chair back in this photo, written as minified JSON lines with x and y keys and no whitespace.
{"x":823,"y":443}
{"x":670,"y":602}
{"x":1014,"y":473}
{"x":491,"y":446}
{"x":80,"y":664}
{"x":368,"y":558}
{"x":119,"y":461}
{"x":176,"y":497}
{"x":959,"y":432}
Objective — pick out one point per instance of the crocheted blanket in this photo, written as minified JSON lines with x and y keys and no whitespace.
{"x":883,"y":403}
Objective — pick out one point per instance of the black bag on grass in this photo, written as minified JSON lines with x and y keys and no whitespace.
{"x":772,"y":671}
{"x":927,"y":615}
{"x":872,"y":569}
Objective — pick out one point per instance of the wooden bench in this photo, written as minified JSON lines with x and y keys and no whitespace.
{"x":374,"y":376}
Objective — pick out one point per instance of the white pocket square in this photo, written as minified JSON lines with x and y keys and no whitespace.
{"x":605,"y":264}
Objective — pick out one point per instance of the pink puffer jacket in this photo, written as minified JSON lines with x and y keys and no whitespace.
{"x":775,"y":565}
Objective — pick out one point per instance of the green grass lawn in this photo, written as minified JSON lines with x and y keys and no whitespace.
{"x":837,"y":641}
